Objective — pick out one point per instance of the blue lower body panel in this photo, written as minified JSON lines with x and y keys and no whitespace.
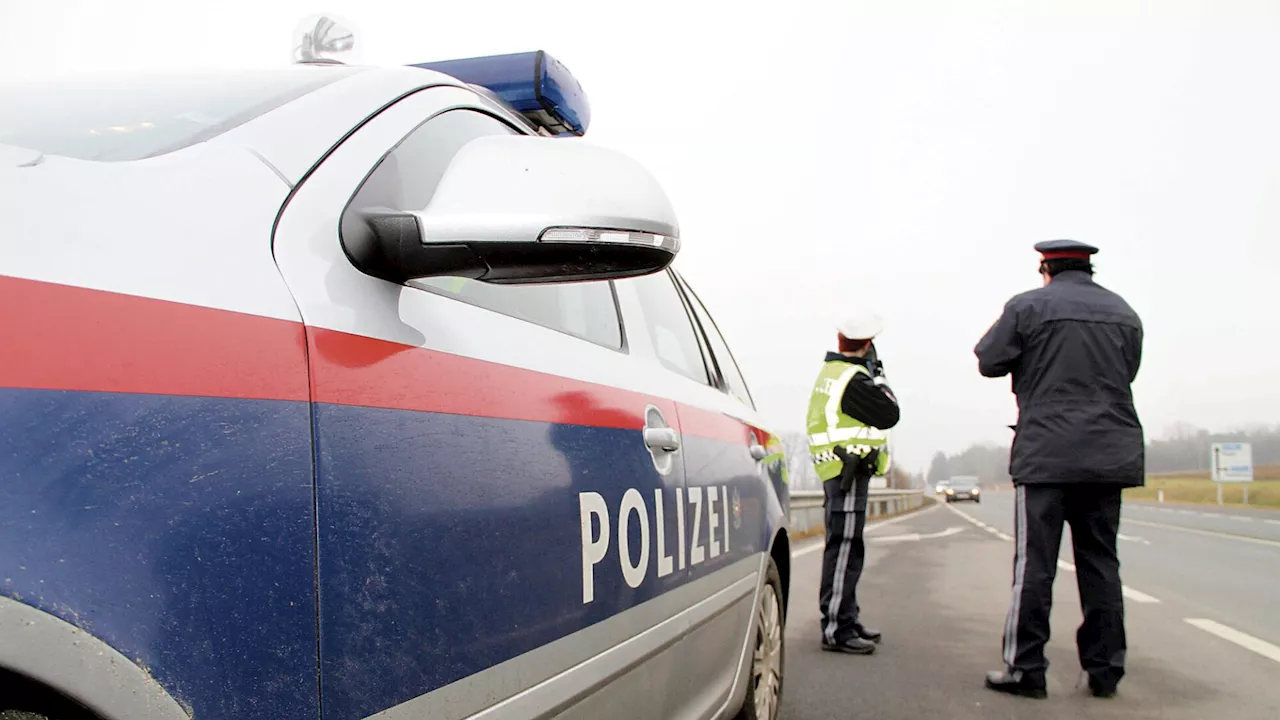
{"x":450,"y":543}
{"x":179,"y":530}
{"x":182,"y":532}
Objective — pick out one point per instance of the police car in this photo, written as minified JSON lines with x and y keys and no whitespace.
{"x":348,"y":392}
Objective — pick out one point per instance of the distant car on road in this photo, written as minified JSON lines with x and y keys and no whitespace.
{"x":963,"y":487}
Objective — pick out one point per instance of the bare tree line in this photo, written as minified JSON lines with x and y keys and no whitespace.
{"x":1185,"y":448}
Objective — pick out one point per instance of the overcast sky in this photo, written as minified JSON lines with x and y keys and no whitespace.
{"x":830,"y":156}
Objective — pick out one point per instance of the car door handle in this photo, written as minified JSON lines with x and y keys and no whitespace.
{"x":758,"y":451}
{"x":661,"y":438}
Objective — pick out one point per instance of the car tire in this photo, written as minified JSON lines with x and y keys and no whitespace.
{"x":768,"y":655}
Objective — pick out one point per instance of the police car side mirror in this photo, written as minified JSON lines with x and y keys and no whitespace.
{"x":522,"y":209}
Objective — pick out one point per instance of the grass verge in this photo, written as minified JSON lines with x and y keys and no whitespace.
{"x":1196,"y":488}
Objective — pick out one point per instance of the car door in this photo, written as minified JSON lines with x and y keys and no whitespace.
{"x":764,"y":447}
{"x":728,"y":450}
{"x":726,"y":509}
{"x":497,"y":480}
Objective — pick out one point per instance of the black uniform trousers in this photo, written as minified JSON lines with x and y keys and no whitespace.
{"x":1093,"y":512}
{"x":842,"y":558}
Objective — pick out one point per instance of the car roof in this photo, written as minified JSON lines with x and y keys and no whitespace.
{"x":296,"y":136}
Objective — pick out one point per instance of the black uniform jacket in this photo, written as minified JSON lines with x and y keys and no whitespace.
{"x":1073,"y":348}
{"x":867,"y":399}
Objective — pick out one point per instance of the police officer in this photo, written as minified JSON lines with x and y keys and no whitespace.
{"x":849,"y":410}
{"x":1073,"y":349}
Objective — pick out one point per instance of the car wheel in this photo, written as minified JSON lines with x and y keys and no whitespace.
{"x":764,"y":684}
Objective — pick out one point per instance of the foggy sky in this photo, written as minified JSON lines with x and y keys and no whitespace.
{"x":828,"y":156}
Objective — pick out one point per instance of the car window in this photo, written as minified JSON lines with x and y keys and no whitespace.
{"x":669,"y":327}
{"x":734,"y":383}
{"x":407,"y":178}
{"x":585,"y":309}
{"x":119,"y":119}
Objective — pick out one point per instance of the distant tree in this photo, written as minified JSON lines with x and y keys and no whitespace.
{"x":800,"y":473}
{"x":939,"y":469}
{"x":1185,"y":448}
{"x":1188,"y":451}
{"x":990,"y":463}
{"x":899,"y":479}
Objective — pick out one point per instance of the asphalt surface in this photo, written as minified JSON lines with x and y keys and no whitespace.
{"x":1202,"y":615}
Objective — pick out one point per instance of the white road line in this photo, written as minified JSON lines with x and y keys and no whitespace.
{"x":1136,"y":596}
{"x":1208,"y":533}
{"x":915,"y":537}
{"x":1188,"y":512}
{"x":1241,"y":518}
{"x":816,"y":546}
{"x":979,"y":523}
{"x":806,"y":549}
{"x":1272,"y":522}
{"x":1217,"y":515}
{"x":1249,"y":642}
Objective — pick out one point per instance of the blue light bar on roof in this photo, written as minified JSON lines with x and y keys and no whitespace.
{"x":535,"y":84}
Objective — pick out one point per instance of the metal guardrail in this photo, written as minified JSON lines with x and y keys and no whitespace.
{"x":806,"y":507}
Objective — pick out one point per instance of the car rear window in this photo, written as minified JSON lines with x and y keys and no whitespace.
{"x":112,"y":119}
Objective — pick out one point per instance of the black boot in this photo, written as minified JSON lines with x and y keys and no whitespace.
{"x":1101,"y":688}
{"x":853,"y":646}
{"x":1016,"y":682}
{"x":867,"y":633}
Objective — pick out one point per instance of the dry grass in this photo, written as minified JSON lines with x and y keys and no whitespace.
{"x":1197,"y":488}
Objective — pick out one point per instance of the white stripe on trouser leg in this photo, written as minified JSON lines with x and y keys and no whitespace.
{"x":837,"y":580}
{"x":1019,"y":574}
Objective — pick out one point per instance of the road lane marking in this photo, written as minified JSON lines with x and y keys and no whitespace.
{"x":1208,"y":533}
{"x":979,"y":523}
{"x":1244,"y":640}
{"x":1272,"y":522}
{"x":914,"y":537}
{"x":1133,"y":538}
{"x":814,"y":547}
{"x":1137,"y":596}
{"x":1217,"y":515}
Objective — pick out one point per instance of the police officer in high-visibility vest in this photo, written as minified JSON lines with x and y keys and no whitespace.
{"x":849,"y":411}
{"x":1073,"y":349}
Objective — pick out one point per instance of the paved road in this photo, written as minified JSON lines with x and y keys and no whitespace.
{"x":1253,"y":522}
{"x":937,"y":584}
